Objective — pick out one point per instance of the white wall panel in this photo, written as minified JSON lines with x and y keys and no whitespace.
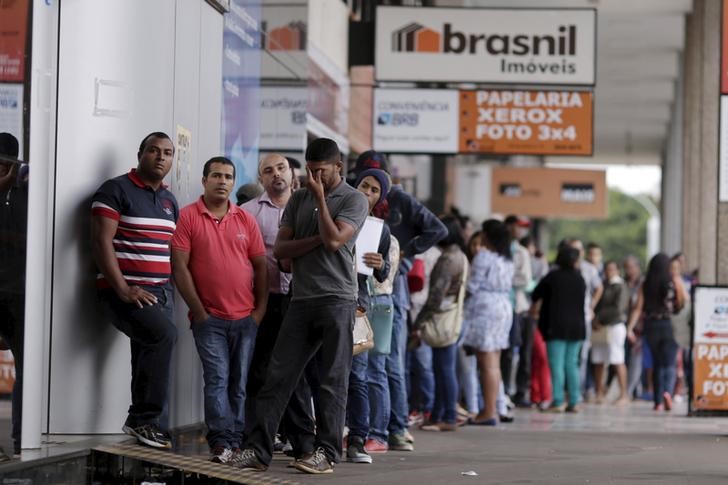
{"x":121,"y":75}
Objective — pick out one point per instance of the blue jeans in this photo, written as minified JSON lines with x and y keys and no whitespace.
{"x":421,"y":379}
{"x":395,"y":359}
{"x":357,"y":404}
{"x":660,"y":339}
{"x":564,"y":364}
{"x":446,"y":384}
{"x":468,"y":380}
{"x":380,"y":406}
{"x":225,"y":348}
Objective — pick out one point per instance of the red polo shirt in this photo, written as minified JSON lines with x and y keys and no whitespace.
{"x":220,"y":253}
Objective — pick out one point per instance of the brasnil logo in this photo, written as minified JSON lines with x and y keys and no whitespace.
{"x":417,"y":38}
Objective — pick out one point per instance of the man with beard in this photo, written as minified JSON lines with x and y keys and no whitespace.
{"x":275,"y":174}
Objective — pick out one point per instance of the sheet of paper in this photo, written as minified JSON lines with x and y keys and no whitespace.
{"x":368,"y":242}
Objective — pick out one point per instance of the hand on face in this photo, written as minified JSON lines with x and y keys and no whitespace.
{"x":315,"y":184}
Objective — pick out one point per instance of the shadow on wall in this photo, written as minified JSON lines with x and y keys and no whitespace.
{"x":94,"y":335}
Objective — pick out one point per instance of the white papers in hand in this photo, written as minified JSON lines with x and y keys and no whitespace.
{"x":368,"y":242}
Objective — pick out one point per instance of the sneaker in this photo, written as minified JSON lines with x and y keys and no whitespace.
{"x":221,"y":454}
{"x":417,"y":418}
{"x":246,"y":460}
{"x":278,"y":445}
{"x":355,"y":452}
{"x":572,"y":409}
{"x":375,"y":446}
{"x":316,"y":463}
{"x":408,"y":437}
{"x":398,"y":442}
{"x":506,"y":418}
{"x":150,"y":435}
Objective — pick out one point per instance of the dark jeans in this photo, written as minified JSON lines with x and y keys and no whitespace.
{"x":446,"y":384}
{"x":12,"y":330}
{"x":297,"y":425}
{"x":357,"y":405}
{"x":660,"y":339}
{"x":310,"y":326}
{"x":420,"y":379}
{"x":523,"y":372}
{"x":152,"y":335}
{"x":225,"y":348}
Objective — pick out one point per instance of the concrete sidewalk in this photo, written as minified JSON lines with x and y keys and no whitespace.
{"x":603,"y":444}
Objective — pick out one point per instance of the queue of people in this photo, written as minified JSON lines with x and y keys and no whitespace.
{"x":273,"y":294}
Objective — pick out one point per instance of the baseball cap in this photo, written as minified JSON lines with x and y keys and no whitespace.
{"x":371,"y":159}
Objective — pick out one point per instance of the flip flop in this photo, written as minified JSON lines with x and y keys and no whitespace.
{"x":486,"y":422}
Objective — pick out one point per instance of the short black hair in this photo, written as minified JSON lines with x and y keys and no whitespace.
{"x":567,"y":257}
{"x":323,"y":150}
{"x":593,"y":245}
{"x":496,"y":234}
{"x":510,"y":219}
{"x":293,"y":162}
{"x":222,"y":160}
{"x":9,"y":145}
{"x":155,"y":134}
{"x":454,"y":231}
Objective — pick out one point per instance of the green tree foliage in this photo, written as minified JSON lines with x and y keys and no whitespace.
{"x":622,"y":233}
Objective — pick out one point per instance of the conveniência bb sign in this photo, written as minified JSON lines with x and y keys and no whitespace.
{"x":525,"y":46}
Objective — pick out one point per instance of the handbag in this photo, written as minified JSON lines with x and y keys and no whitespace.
{"x":381,"y":320}
{"x":362,"y":333}
{"x":441,"y":328}
{"x":416,"y":276}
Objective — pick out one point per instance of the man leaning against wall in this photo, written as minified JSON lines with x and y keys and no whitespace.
{"x":133,"y":219}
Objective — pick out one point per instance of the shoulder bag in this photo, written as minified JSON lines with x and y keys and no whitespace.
{"x":441,"y":328}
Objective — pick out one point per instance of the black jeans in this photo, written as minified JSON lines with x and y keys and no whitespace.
{"x":12,"y":330}
{"x":152,"y":335}
{"x":298,"y":424}
{"x":322,"y":325}
{"x":523,"y":372}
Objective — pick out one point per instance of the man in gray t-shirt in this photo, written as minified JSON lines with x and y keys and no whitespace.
{"x":322,"y":272}
{"x":317,"y":235}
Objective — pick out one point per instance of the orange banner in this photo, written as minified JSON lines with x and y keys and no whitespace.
{"x":13,"y":31}
{"x":710,"y":374}
{"x":549,"y":192}
{"x":526,"y":122}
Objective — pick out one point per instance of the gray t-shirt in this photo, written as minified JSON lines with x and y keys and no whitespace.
{"x":322,"y":273}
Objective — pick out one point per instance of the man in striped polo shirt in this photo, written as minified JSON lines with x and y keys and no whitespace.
{"x":133,"y":219}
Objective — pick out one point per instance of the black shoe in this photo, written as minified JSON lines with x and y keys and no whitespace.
{"x":355,"y":452}
{"x":150,"y":435}
{"x":246,"y":460}
{"x":506,"y":418}
{"x":317,"y":463}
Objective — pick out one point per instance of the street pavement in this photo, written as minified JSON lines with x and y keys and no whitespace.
{"x":602,"y":444}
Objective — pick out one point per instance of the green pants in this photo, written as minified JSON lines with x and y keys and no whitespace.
{"x":564,"y":365}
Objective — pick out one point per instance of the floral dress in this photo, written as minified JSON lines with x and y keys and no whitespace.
{"x":488,"y":309}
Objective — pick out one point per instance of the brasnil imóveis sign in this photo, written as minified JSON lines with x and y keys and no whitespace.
{"x":525,"y":46}
{"x":526,"y":122}
{"x":710,"y":349}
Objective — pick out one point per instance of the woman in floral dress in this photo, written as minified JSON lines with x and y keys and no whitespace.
{"x":489,"y":313}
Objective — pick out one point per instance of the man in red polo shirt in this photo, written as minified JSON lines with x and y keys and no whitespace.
{"x":219,"y":265}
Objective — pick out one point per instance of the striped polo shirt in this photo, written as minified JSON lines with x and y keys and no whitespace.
{"x":147,"y":220}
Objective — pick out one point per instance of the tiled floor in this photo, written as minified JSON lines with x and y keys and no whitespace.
{"x":602,"y":444}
